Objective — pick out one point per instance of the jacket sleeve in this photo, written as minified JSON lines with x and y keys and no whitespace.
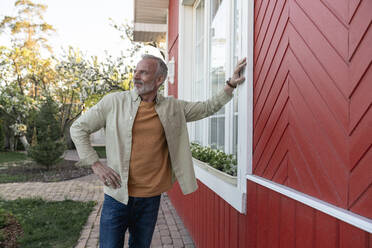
{"x":198,"y":110}
{"x":90,"y":122}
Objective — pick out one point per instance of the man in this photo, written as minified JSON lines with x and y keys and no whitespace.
{"x":147,"y":149}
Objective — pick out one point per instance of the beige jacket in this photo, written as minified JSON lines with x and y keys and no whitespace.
{"x":116,"y":112}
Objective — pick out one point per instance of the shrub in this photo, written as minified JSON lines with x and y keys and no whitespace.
{"x":2,"y":137}
{"x":48,"y":152}
{"x":216,"y":158}
{"x":47,"y":146}
{"x":2,"y":223}
{"x":3,"y":214}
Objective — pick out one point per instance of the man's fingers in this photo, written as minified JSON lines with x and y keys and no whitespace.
{"x":111,"y":181}
{"x":115,"y":177}
{"x":239,"y":68}
{"x":108,"y":176}
{"x":242,"y":61}
{"x":240,"y":80}
{"x":115,"y":180}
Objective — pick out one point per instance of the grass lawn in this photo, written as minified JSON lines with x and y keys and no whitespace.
{"x":49,"y":224}
{"x":12,"y":156}
{"x":101,"y":150}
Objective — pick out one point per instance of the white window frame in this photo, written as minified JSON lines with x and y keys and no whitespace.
{"x":234,"y":195}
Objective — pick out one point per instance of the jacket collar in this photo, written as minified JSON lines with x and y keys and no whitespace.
{"x":135,"y":97}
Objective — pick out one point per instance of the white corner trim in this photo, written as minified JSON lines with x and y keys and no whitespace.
{"x":229,"y":193}
{"x":351,"y":218}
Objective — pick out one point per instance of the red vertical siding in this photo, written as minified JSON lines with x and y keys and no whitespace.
{"x":326,"y":231}
{"x":272,"y":220}
{"x":172,"y":22}
{"x":173,"y":43}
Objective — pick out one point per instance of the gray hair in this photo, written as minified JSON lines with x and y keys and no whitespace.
{"x":162,"y":67}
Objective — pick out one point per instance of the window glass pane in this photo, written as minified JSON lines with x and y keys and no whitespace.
{"x":217,"y":46}
{"x":199,"y":64}
{"x":217,"y":132}
{"x":236,"y":56}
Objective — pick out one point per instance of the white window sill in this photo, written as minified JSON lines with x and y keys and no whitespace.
{"x":223,"y":185}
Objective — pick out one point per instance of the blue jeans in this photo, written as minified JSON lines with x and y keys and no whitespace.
{"x":139,"y":216}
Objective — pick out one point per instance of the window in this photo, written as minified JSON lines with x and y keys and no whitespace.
{"x":209,"y":48}
{"x":214,"y":56}
{"x":217,"y":68}
{"x":199,"y":65}
{"x":211,"y":67}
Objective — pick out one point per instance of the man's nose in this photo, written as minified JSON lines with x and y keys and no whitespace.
{"x":136,"y":75}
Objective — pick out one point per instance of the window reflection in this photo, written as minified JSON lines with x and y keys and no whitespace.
{"x":218,"y":37}
{"x":199,"y":64}
{"x":236,"y":56}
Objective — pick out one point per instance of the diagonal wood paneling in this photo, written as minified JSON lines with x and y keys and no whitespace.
{"x":330,"y":27}
{"x":312,"y":98}
{"x":339,"y":8}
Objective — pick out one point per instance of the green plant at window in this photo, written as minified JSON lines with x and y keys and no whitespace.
{"x":216,"y":158}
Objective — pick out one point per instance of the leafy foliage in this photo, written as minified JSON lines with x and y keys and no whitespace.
{"x":3,"y":222}
{"x":216,"y":158}
{"x":49,"y":146}
{"x":28,"y":27}
{"x":2,"y":137}
{"x":3,"y":214}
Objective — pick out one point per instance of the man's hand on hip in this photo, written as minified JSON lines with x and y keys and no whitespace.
{"x":108,"y":176}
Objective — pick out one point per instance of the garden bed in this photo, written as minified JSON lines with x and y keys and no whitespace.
{"x":28,"y":171}
{"x":10,"y":230}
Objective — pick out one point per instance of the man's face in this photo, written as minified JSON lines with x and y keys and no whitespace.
{"x":145,"y":79}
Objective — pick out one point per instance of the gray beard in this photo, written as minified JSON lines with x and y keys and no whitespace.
{"x":144,"y":89}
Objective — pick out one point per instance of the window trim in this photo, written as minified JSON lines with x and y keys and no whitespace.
{"x":234,"y":195}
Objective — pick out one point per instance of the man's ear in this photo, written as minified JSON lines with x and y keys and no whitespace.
{"x":160,"y":81}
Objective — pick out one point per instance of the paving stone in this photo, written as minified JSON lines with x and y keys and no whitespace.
{"x":166,"y":240}
{"x":162,"y":226}
{"x":178,"y":243}
{"x":184,"y":232}
{"x":187,"y":240}
{"x":164,"y":233}
{"x":172,"y":227}
{"x":175,"y":234}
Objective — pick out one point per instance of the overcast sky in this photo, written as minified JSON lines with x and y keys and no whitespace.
{"x":82,"y":23}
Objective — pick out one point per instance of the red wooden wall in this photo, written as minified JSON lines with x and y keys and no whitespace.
{"x":312,"y":130}
{"x":173,"y":43}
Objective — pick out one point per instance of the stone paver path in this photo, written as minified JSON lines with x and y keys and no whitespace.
{"x":169,"y":230}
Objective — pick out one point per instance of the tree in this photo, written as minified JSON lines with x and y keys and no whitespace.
{"x":48,"y":146}
{"x":2,"y":137}
{"x":24,"y":74}
{"x":15,"y":109}
{"x":82,"y":82}
{"x":28,"y":28}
